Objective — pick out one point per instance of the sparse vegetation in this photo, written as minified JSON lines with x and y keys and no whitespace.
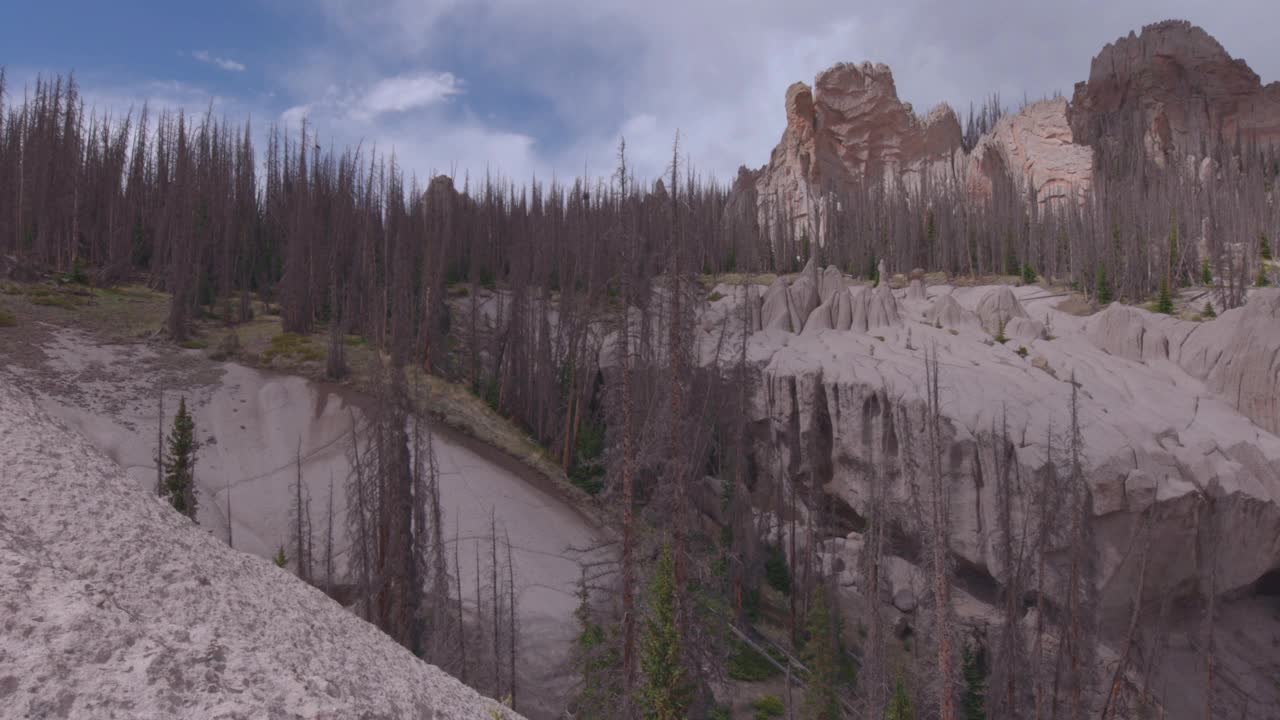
{"x":767,"y":707}
{"x":292,"y":347}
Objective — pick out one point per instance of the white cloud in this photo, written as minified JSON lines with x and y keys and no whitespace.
{"x":718,"y":70}
{"x":405,"y":92}
{"x":224,"y":63}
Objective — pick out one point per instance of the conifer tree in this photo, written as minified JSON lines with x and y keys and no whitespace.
{"x":179,"y":467}
{"x":1206,"y":273}
{"x":597,"y":659}
{"x":664,"y":691}
{"x":1102,"y":286}
{"x":1208,"y":312}
{"x":822,"y":699}
{"x":1264,"y":245}
{"x":1164,"y":303}
{"x":900,"y":702}
{"x":973,"y":703}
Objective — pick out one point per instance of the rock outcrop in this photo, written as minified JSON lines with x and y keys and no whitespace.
{"x":1172,"y":89}
{"x":850,"y":127}
{"x":1175,"y":86}
{"x":1035,"y":148}
{"x":1178,"y":425}
{"x":117,"y":606}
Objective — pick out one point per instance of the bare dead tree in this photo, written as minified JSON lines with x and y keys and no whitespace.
{"x":301,"y":520}
{"x":939,"y":530}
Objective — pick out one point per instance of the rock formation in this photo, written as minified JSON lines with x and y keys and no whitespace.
{"x":117,"y":606}
{"x":1178,"y":421}
{"x":1169,"y":87}
{"x":850,"y":127}
{"x":1175,"y":85}
{"x":1034,"y":147}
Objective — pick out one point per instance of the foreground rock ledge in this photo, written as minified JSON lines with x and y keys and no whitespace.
{"x":113,"y":605}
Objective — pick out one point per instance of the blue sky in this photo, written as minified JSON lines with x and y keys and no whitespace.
{"x":525,"y":87}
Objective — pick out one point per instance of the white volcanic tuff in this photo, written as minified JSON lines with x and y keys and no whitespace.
{"x":253,"y":422}
{"x":117,"y":606}
{"x":1237,"y":355}
{"x":1154,"y":433}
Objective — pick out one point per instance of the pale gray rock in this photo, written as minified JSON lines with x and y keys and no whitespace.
{"x":1024,"y":329}
{"x":998,"y":307}
{"x":117,"y":606}
{"x":831,"y":283}
{"x":945,"y":312}
{"x":775,"y":314}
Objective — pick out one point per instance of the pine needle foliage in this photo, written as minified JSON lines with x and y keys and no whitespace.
{"x":664,"y":692}
{"x":179,"y":465}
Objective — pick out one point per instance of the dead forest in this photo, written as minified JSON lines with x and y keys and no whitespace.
{"x":714,"y":543}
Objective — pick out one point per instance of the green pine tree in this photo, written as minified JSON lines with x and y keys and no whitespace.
{"x":1164,"y":303}
{"x":280,"y":558}
{"x":664,"y":692}
{"x":1102,"y":286}
{"x":179,"y":465}
{"x":598,"y":662}
{"x":1206,"y":273}
{"x":1208,"y":312}
{"x":1028,"y":274}
{"x":973,"y":702}
{"x":1264,"y":244}
{"x":822,"y":698}
{"x":1263,"y":280}
{"x":900,"y":702}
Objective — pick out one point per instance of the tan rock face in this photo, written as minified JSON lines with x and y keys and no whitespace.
{"x":1181,"y":85}
{"x":1035,"y":147}
{"x":851,"y":126}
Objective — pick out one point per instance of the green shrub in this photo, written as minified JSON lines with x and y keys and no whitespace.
{"x":775,"y":569}
{"x":1208,"y":313}
{"x":714,"y":296}
{"x":1000,"y":338}
{"x":767,"y":707}
{"x":1022,"y":351}
{"x":1028,"y":274}
{"x":748,"y":665}
{"x":193,"y":344}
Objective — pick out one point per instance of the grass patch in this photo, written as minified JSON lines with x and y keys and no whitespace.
{"x":714,"y":296}
{"x":193,"y":344}
{"x":50,"y":299}
{"x":292,"y":346}
{"x":767,"y":707}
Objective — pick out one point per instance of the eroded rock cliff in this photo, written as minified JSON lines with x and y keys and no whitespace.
{"x":1176,"y":88}
{"x":117,"y":606}
{"x":1177,"y":441}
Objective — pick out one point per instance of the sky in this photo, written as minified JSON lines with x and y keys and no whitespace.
{"x":542,"y":88}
